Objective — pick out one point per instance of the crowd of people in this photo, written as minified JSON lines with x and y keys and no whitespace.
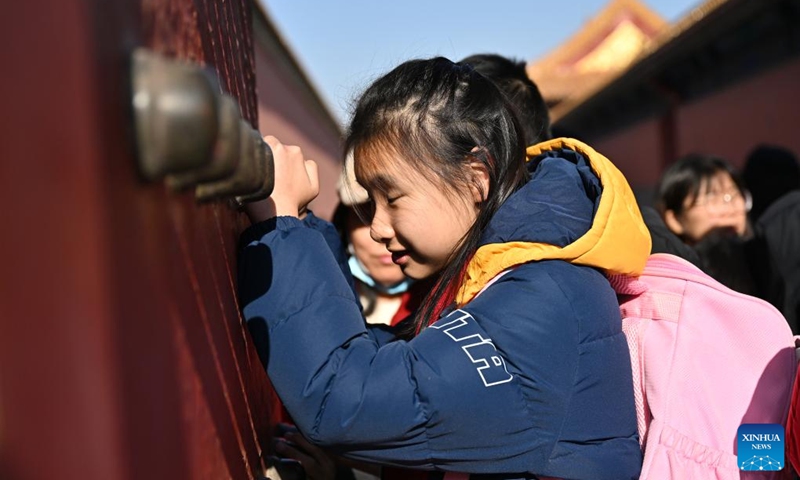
{"x":456,"y":316}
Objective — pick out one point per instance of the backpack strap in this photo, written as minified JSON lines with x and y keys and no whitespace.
{"x":648,"y":304}
{"x":654,"y":305}
{"x":626,"y":284}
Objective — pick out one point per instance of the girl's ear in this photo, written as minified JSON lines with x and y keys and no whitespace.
{"x":479,"y":181}
{"x":671,"y":220}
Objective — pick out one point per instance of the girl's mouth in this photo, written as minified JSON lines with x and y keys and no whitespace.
{"x":400,"y":258}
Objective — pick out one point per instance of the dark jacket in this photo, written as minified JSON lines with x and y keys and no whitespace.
{"x":664,"y":241}
{"x":531,"y":376}
{"x":775,"y":257}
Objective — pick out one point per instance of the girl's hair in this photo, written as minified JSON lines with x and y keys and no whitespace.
{"x":685,"y":178}
{"x":513,"y":80}
{"x":438,"y":116}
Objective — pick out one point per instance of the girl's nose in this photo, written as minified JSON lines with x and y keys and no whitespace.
{"x":380,"y":229}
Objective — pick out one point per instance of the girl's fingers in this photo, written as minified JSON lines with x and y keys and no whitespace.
{"x":296,"y":179}
{"x":272,"y":142}
{"x":313,"y":176}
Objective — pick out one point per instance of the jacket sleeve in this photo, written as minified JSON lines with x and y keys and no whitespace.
{"x":430,"y":402}
{"x":334,"y":242}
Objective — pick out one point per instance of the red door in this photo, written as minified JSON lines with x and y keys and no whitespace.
{"x":122,"y":353}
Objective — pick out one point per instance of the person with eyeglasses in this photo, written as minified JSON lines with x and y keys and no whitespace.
{"x":699,"y":194}
{"x":704,"y":202}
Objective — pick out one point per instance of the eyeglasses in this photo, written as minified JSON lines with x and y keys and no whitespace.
{"x":715,"y":202}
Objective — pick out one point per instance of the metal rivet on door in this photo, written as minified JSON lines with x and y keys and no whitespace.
{"x":226,"y":151}
{"x":194,"y":136}
{"x":175,"y":106}
{"x":246,"y":179}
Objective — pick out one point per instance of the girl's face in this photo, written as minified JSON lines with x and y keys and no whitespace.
{"x":719,"y":203}
{"x":373,"y":256}
{"x":418,"y":220}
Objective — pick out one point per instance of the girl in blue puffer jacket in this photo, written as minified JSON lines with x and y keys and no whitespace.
{"x":518,"y":367}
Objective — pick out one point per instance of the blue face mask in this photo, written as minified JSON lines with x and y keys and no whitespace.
{"x":359,"y":273}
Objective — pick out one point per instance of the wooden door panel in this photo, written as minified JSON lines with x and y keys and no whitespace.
{"x":208,"y":324}
{"x":203,"y":240}
{"x":122,"y":353}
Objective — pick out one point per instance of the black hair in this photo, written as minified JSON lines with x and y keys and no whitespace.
{"x":438,"y":117}
{"x":523,"y":94}
{"x":723,"y":255}
{"x":341,"y":215}
{"x":770,"y":172}
{"x":685,"y":178}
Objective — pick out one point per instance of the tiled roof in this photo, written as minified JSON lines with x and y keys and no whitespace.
{"x":605,"y":45}
{"x":658,"y":43}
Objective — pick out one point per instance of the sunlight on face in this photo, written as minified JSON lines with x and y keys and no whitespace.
{"x":419,"y":219}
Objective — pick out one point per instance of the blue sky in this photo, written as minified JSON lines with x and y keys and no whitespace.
{"x":345,"y":45}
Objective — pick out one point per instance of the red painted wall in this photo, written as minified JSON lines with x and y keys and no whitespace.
{"x":729,"y":123}
{"x":122,"y":353}
{"x":635,"y":151}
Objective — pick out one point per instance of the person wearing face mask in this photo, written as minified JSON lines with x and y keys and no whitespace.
{"x":387,"y":296}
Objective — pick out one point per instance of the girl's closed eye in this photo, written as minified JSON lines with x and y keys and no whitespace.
{"x":387,"y":197}
{"x":365,"y":211}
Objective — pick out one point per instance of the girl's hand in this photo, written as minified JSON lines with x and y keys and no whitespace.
{"x":296,"y":184}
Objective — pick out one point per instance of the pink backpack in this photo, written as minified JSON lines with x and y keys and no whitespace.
{"x":705,"y":360}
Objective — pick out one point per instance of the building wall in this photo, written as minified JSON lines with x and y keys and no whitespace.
{"x":636,"y":152}
{"x":731,"y":122}
{"x":728,"y":123}
{"x":287,"y":111}
{"x":122,"y":351}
